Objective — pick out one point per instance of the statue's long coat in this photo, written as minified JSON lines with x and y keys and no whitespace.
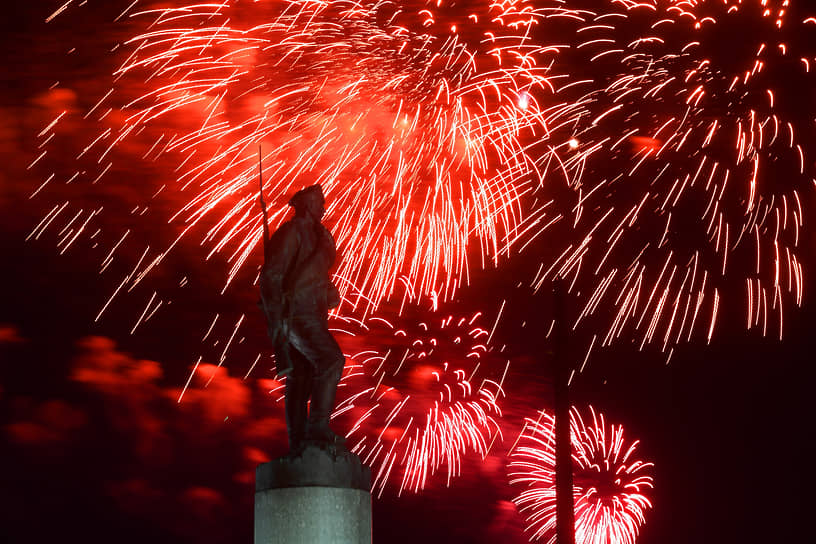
{"x":296,"y":294}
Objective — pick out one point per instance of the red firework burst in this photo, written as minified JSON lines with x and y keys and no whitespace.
{"x":423,"y":399}
{"x":412,"y":116}
{"x":685,"y":158}
{"x":609,"y":483}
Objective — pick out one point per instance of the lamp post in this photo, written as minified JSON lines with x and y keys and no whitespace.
{"x":565,"y":503}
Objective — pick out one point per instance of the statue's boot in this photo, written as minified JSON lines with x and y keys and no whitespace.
{"x":318,"y":430}
{"x":296,"y":399}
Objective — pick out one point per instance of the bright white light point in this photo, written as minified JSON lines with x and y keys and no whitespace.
{"x":523,"y":100}
{"x":573,"y":143}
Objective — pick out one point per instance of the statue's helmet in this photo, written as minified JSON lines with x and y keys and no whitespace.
{"x":308,"y":197}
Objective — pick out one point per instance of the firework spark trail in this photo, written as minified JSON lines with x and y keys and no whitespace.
{"x":426,"y":403}
{"x":609,"y":483}
{"x":421,"y":402}
{"x":414,"y":117}
{"x":685,"y":163}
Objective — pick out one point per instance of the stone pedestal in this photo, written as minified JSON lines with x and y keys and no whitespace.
{"x":315,"y":498}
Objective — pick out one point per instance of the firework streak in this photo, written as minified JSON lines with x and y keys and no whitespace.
{"x":608,"y":482}
{"x":413,"y":117}
{"x":428,"y":403}
{"x":685,"y":128}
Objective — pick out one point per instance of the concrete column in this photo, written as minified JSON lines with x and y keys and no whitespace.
{"x":315,"y":498}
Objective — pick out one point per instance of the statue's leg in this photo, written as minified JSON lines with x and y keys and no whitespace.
{"x":313,"y":339}
{"x":324,"y":390}
{"x":298,"y":389}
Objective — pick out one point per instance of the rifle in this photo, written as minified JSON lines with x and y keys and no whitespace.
{"x":283,"y":361}
{"x":263,"y":204}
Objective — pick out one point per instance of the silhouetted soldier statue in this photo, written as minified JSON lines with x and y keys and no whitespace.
{"x":296,"y":295}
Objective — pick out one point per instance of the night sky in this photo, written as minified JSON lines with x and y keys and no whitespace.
{"x":95,"y":445}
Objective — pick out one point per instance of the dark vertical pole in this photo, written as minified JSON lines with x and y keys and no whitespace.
{"x":565,"y":505}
